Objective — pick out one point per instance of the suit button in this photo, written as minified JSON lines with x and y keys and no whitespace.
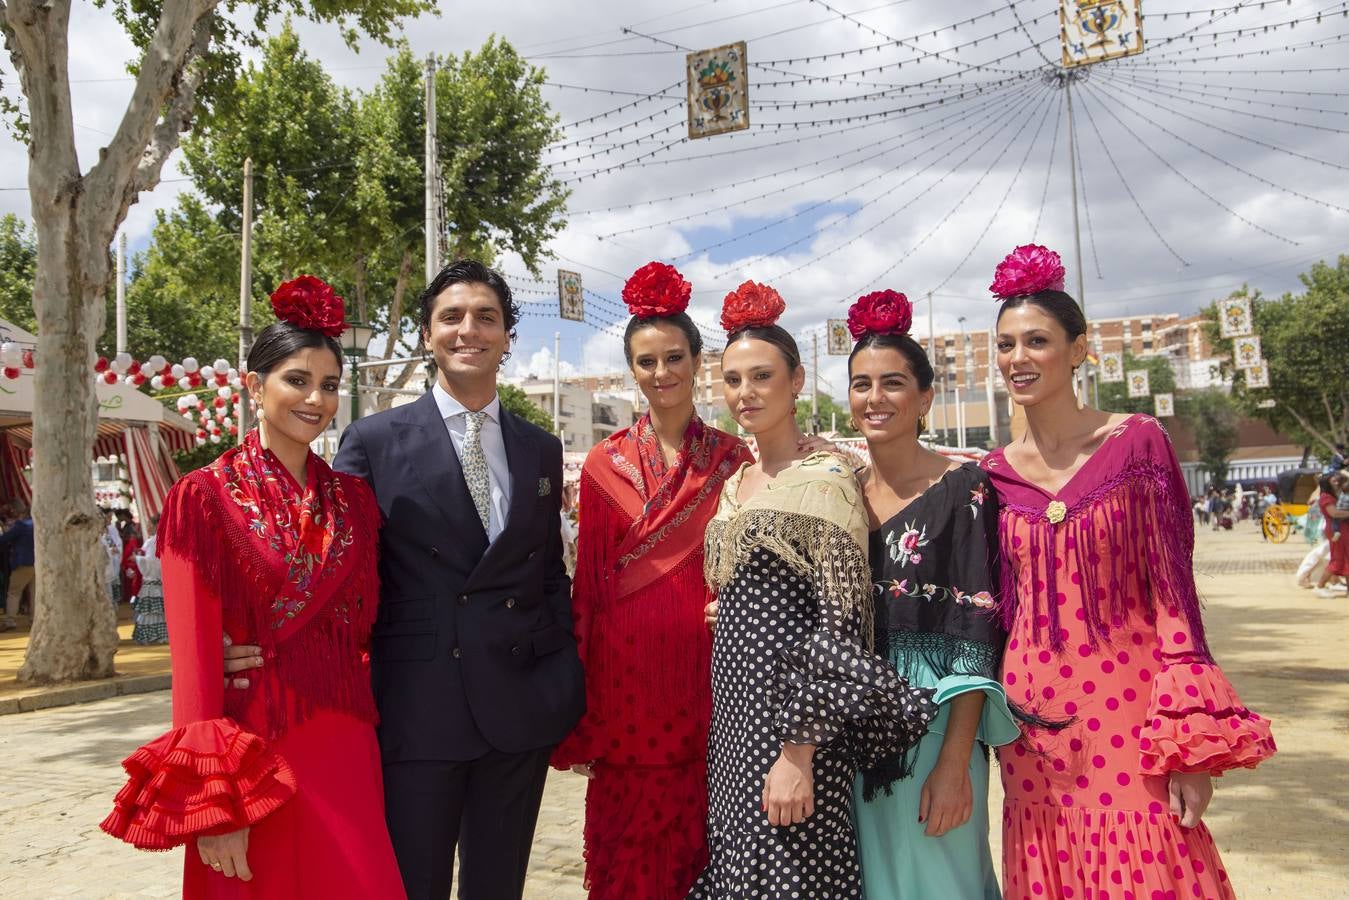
{"x":510,"y":603}
{"x":515,"y":651}
{"x":435,"y":554}
{"x":463,"y":599}
{"x":456,"y":653}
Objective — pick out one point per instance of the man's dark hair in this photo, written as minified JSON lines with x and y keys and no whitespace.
{"x":280,"y":341}
{"x":470,"y":271}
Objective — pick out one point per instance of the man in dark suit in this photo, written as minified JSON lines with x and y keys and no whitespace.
{"x":473,"y":662}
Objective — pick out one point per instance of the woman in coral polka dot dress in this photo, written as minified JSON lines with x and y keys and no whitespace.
{"x":1104,"y":632}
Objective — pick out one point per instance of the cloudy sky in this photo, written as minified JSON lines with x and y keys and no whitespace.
{"x":903,"y":144}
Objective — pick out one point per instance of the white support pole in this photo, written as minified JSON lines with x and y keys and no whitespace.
{"x":988,"y":393}
{"x":815,"y":383}
{"x":1068,"y":78}
{"x":557,"y":382}
{"x":960,"y":419}
{"x":121,"y":292}
{"x":246,"y":292}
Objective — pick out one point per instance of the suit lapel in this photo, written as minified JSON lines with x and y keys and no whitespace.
{"x":426,"y":441}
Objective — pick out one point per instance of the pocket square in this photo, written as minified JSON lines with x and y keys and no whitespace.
{"x":545,"y":486}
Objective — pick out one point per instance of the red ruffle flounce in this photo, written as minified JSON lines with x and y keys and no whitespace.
{"x":1196,"y":723}
{"x":208,"y":777}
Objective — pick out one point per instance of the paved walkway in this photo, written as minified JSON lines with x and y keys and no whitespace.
{"x":1280,"y":828}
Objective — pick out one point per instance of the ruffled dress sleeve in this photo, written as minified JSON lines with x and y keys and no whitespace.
{"x":1196,"y":722}
{"x":832,"y":686}
{"x":207,"y":775}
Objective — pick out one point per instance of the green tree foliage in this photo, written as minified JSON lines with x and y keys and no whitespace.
{"x":18,"y":264}
{"x":829,"y":413}
{"x":1303,"y":338}
{"x":518,"y":402}
{"x":1114,"y":396}
{"x":1214,"y":418}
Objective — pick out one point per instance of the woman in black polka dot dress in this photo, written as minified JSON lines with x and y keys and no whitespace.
{"x":799,"y":702}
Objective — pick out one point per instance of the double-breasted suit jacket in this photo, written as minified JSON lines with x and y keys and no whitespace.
{"x":472,"y":649}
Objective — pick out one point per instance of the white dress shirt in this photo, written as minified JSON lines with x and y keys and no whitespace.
{"x":455,"y":417}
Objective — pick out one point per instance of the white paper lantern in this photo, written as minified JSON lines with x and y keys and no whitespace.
{"x":11,"y":354}
{"x":223,"y":393}
{"x":121,"y":362}
{"x":178,"y":371}
{"x":155,"y":363}
{"x":215,"y":439}
{"x":221,"y":365}
{"x":190,"y":363}
{"x":156,"y":383}
{"x":185,"y":382}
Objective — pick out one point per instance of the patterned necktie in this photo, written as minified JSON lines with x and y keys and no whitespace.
{"x":475,"y":469}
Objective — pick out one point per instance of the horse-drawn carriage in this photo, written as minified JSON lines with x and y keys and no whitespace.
{"x":1295,"y":489}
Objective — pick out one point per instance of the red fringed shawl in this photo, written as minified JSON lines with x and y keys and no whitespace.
{"x":295,"y":568}
{"x":639,"y":571}
{"x":1123,"y":520}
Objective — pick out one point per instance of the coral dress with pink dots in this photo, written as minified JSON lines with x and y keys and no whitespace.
{"x":1104,"y":633}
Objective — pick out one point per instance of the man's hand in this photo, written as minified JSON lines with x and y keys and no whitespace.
{"x":240,"y":659}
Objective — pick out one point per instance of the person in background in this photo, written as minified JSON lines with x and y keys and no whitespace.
{"x":18,"y":541}
{"x":1334,"y":504}
{"x":129,"y":574}
{"x":1336,"y":462}
{"x":112,"y":546}
{"x":150,"y":627}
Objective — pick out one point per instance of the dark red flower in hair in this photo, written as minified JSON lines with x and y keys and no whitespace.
{"x":656,"y":291}
{"x":880,"y":312}
{"x":751,"y":305}
{"x":310,"y":303}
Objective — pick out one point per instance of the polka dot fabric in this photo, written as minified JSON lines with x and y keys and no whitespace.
{"x":777,"y":673}
{"x":1087,"y":808}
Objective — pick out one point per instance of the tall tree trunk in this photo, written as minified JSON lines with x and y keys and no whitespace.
{"x":76,"y":218}
{"x":74,"y":626}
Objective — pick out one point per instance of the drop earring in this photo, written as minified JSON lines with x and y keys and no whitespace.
{"x":262,"y":426}
{"x":1077,"y":396}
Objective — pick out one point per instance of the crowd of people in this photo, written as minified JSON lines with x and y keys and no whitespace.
{"x":780,"y":676}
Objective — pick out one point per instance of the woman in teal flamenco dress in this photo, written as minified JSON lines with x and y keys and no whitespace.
{"x":922,"y":817}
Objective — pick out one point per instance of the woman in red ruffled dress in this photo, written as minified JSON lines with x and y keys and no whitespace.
{"x":276,"y":788}
{"x":1104,"y":631}
{"x":647,"y":493}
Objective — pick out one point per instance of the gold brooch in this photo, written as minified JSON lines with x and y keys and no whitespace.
{"x":1055,"y":512}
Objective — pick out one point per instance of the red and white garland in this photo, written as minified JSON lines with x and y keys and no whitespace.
{"x":161,"y":375}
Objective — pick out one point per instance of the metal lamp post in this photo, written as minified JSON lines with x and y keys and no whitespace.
{"x":355,"y":340}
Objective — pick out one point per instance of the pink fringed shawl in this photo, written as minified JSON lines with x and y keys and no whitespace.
{"x":1125,"y":531}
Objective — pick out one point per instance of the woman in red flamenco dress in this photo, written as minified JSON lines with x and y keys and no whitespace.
{"x":1105,"y":638}
{"x":275,"y":789}
{"x":647,"y":493}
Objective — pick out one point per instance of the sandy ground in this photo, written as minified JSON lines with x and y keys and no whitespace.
{"x":1281,"y":828}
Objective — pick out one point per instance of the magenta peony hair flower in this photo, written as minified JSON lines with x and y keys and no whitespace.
{"x":880,"y":312}
{"x":1028,"y":270}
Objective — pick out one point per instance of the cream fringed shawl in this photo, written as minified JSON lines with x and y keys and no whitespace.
{"x":811,"y":517}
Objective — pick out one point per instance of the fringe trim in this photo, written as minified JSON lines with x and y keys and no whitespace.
{"x":942,"y":654}
{"x":320,"y":666}
{"x":1137,"y":512}
{"x":818,"y":550}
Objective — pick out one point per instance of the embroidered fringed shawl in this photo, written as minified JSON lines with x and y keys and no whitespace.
{"x":1121,"y":527}
{"x":639,"y":581}
{"x":295,"y":569}
{"x":811,"y":517}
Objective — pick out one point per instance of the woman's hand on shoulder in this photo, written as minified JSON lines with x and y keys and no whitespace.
{"x":813,"y":443}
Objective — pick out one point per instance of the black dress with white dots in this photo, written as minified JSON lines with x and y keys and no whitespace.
{"x":788,"y":665}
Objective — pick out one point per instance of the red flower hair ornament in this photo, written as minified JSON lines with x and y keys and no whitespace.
{"x":312,"y":304}
{"x":752,"y":305}
{"x":880,"y":312}
{"x":1027,"y":270}
{"x":656,"y":291}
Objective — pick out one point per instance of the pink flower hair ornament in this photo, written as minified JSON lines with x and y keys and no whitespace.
{"x":1027,"y":270}
{"x":880,"y":312}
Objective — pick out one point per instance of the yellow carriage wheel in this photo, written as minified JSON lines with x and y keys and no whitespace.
{"x":1276,"y":525}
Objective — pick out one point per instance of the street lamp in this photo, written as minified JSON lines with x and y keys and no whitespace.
{"x":355,"y":340}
